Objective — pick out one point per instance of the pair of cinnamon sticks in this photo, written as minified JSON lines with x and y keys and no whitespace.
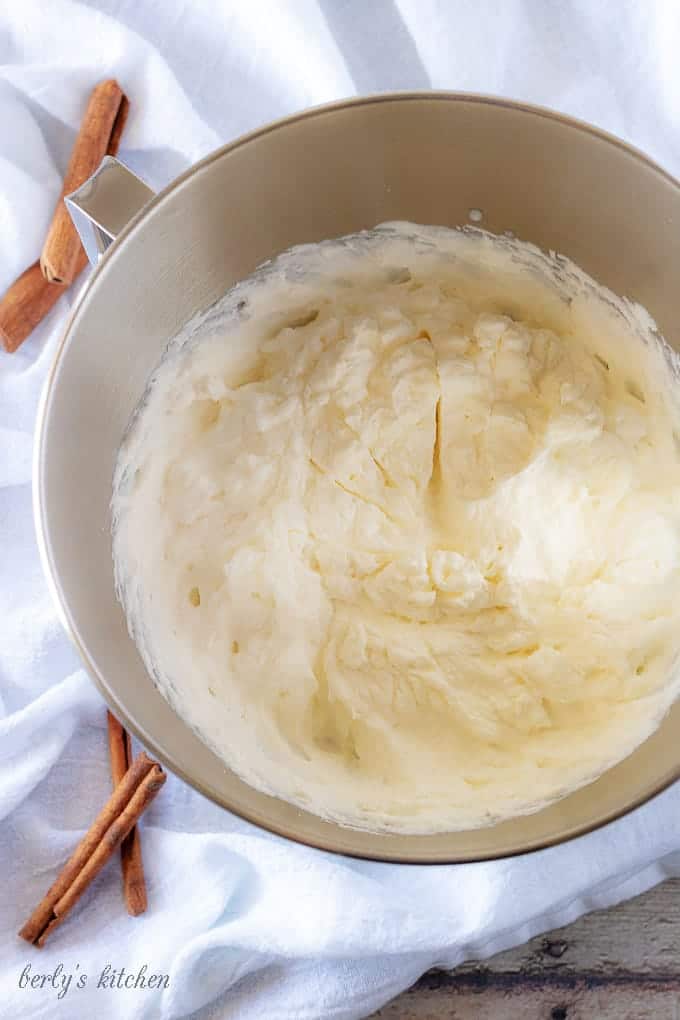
{"x":38,"y":289}
{"x":135,"y":786}
{"x":25,"y":304}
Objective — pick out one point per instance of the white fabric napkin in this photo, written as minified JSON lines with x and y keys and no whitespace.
{"x":241,"y":924}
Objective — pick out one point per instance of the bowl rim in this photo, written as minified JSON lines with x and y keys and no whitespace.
{"x":50,"y":573}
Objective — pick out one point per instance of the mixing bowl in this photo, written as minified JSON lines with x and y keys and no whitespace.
{"x":430,"y":158}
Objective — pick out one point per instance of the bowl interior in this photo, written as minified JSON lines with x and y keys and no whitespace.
{"x":331,"y":171}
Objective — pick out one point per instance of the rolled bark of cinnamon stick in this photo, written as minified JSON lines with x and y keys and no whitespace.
{"x":26,"y":304}
{"x":134,"y":886}
{"x":129,"y":800}
{"x":102,"y":124}
{"x":32,"y":296}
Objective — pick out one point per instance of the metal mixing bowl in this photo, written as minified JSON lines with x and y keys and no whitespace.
{"x":429,"y":158}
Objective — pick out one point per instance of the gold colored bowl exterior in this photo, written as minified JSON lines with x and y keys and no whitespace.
{"x":428,"y":158}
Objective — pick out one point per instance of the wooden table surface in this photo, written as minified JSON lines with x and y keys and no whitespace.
{"x":617,"y":964}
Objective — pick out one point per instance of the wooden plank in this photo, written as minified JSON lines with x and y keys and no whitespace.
{"x":617,"y":964}
{"x":577,"y":1003}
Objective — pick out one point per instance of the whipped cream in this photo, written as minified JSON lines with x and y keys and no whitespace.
{"x":397,"y":528}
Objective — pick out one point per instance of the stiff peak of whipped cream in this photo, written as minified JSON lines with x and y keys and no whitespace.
{"x":397,"y":528}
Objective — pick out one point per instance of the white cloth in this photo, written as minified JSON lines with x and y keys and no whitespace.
{"x":246,"y":925}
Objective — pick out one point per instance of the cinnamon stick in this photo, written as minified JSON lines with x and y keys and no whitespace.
{"x":103,"y":122}
{"x":31,"y":297}
{"x":24,"y":305}
{"x":134,"y":887}
{"x":129,"y":800}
